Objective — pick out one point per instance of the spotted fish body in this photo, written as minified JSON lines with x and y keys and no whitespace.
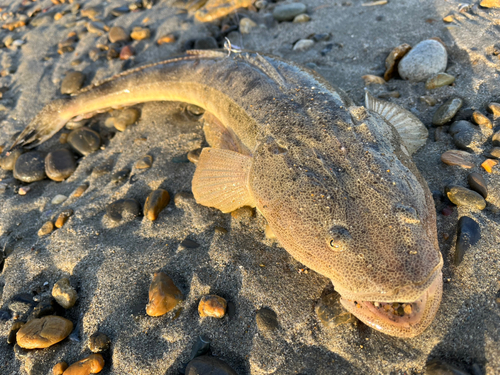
{"x":333,"y":180}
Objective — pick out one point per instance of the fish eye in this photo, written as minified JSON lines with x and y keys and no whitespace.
{"x":339,"y":237}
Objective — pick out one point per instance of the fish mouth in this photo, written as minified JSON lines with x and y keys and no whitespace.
{"x":400,"y":319}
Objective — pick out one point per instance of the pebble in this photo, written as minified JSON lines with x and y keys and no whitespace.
{"x":3,"y":187}
{"x":194,"y":155}
{"x":96,"y":28}
{"x":302,"y":18}
{"x":120,"y":176}
{"x":64,"y":293}
{"x":126,"y":53}
{"x":60,"y":164}
{"x":303,"y":45}
{"x":482,"y":120}
{"x":103,"y":168}
{"x":439,"y":80}
{"x":125,"y":118}
{"x":201,"y":347}
{"x":205,"y":43}
{"x":59,"y":368}
{"x":47,"y":228}
{"x":189,"y":244}
{"x":466,"y":136}
{"x":495,"y":152}
{"x":99,"y":342}
{"x":330,"y":312}
{"x":145,"y":162}
{"x":127,"y":209}
{"x":494,"y":108}
{"x":468,"y":234}
{"x":427,"y":58}
{"x":23,"y":190}
{"x":58,"y":199}
{"x":84,"y":140}
{"x":93,"y":364}
{"x":393,"y":59}
{"x":30,"y":167}
{"x":163,"y":295}
{"x":446,"y":112}
{"x":478,"y":184}
{"x":488,"y":165}
{"x":140,"y":33}
{"x":63,"y":138}
{"x":496,"y":139}
{"x":495,"y":4}
{"x":208,"y":365}
{"x":246,"y":25}
{"x":63,"y":218}
{"x":117,"y":34}
{"x":44,"y":332}
{"x":156,"y":201}
{"x":80,"y":190}
{"x":47,"y":306}
{"x":72,"y":82}
{"x":212,"y":306}
{"x":8,"y":161}
{"x":267,"y":320}
{"x":242,"y":213}
{"x":457,"y":157}
{"x":170,"y":38}
{"x":16,"y":326}
{"x":461,"y":196}
{"x":120,"y":11}
{"x":287,"y":12}
{"x":91,"y":13}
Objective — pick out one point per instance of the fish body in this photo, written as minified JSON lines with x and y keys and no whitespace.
{"x":334,"y":181}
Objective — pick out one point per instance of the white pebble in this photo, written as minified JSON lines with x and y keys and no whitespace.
{"x":58,"y":199}
{"x":303,"y":45}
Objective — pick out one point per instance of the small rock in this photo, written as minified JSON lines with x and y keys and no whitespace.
{"x":47,"y":228}
{"x":242,"y":213}
{"x":439,"y":80}
{"x":464,"y":197}
{"x":72,"y":82}
{"x":302,"y":18}
{"x":120,"y":11}
{"x":8,"y":161}
{"x":478,"y":183}
{"x":201,"y":347}
{"x":103,"y":168}
{"x":496,"y":139}
{"x":208,"y":365}
{"x":287,"y":12}
{"x":44,"y":332}
{"x":80,"y":190}
{"x":495,"y":4}
{"x":427,"y":58}
{"x":494,"y":108}
{"x":64,"y":293}
{"x":495,"y":152}
{"x":468,"y":234}
{"x":47,"y":306}
{"x":91,"y":13}
{"x":63,"y":138}
{"x":212,"y":306}
{"x":63,"y":218}
{"x":429,"y":100}
{"x":330,"y":311}
{"x":157,"y":200}
{"x":194,"y":155}
{"x":84,"y":140}
{"x":166,"y":39}
{"x":125,"y":118}
{"x":127,"y":209}
{"x":126,"y":53}
{"x":99,"y":342}
{"x":482,"y":120}
{"x":205,"y":43}
{"x":246,"y":25}
{"x":59,"y":368}
{"x":145,"y":162}
{"x":488,"y":165}
{"x":96,"y":28}
{"x":93,"y":364}
{"x":303,"y":45}
{"x":163,"y":295}
{"x":117,"y":34}
{"x":120,"y":176}
{"x":467,"y":136}
{"x":189,"y":244}
{"x":58,"y":199}
{"x":140,"y":33}
{"x":457,"y":157}
{"x":23,"y":190}
{"x":30,"y":167}
{"x":393,"y":59}
{"x":446,"y":112}
{"x":371,"y":79}
{"x":267,"y":320}
{"x":59,"y":164}
{"x":16,"y":326}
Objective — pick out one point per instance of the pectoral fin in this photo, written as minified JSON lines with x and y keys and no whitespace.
{"x":221,"y":180}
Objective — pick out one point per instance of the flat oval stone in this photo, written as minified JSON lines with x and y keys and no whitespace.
{"x":60,"y":164}
{"x":84,"y":140}
{"x":464,"y":197}
{"x":212,"y":306}
{"x":468,"y":234}
{"x":478,"y":183}
{"x":93,"y":364}
{"x":145,"y":162}
{"x":457,"y":157}
{"x":426,"y":59}
{"x":64,"y":293}
{"x":44,"y":332}
{"x":447,"y":111}
{"x":72,"y":82}
{"x":125,"y":118}
{"x":63,"y":217}
{"x":287,"y":12}
{"x":330,"y":311}
{"x":123,"y":209}
{"x":208,"y":365}
{"x":156,"y":201}
{"x":482,"y":120}
{"x":439,"y":80}
{"x":303,"y":45}
{"x":99,"y":342}
{"x":467,"y":136}
{"x":30,"y":167}
{"x":267,"y":320}
{"x":163,"y":295}
{"x":47,"y":228}
{"x":117,"y":34}
{"x":494,"y":108}
{"x":140,"y":33}
{"x":80,"y":190}
{"x":8,"y":161}
{"x":59,"y":368}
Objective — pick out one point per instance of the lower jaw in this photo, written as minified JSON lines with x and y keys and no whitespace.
{"x":399,"y":319}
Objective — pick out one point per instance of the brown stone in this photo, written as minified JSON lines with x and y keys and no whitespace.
{"x":140,"y":33}
{"x":391,"y":61}
{"x":80,"y":190}
{"x":166,"y":39}
{"x":44,"y":332}
{"x":64,"y":293}
{"x":126,"y":53}
{"x":63,"y":217}
{"x":145,"y":162}
{"x":194,"y":155}
{"x":47,"y":228}
{"x":242,"y":213}
{"x":495,"y":152}
{"x":494,"y":108}
{"x":157,"y":200}
{"x":125,"y":118}
{"x":490,"y":4}
{"x":117,"y":34}
{"x":457,"y":157}
{"x":59,"y":368}
{"x":482,"y":120}
{"x":163,"y":295}
{"x":212,"y":306}
{"x":93,"y":364}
